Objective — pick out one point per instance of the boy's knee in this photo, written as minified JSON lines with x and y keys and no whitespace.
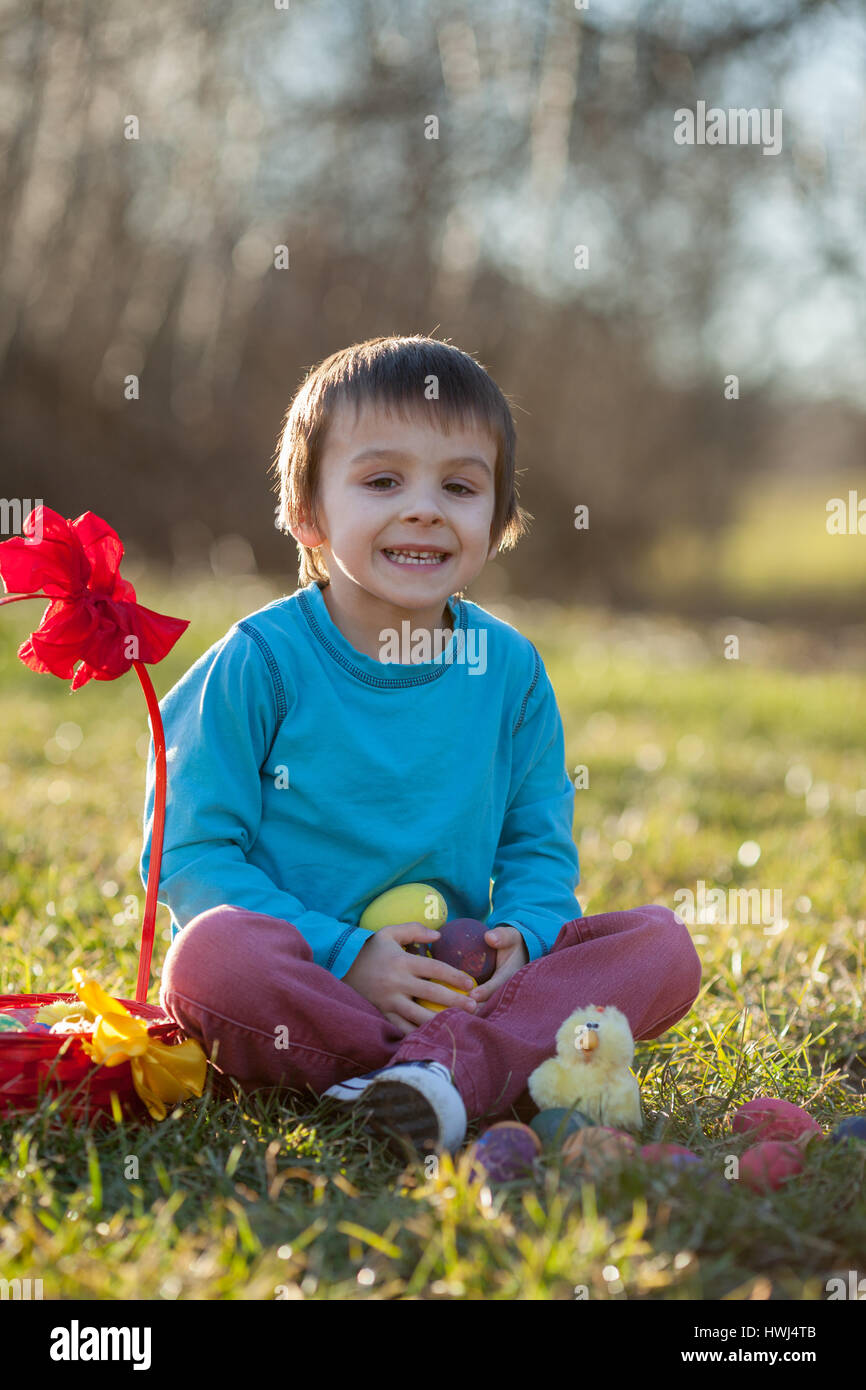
{"x":683,"y":964}
{"x":199,"y":948}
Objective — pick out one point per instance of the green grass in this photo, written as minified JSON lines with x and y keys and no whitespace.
{"x":248,"y":1197}
{"x":776,"y":548}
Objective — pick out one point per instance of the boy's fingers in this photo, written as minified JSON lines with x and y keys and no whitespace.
{"x":455,"y":979}
{"x":482,"y":992}
{"x":501,"y":936}
{"x":425,"y":968}
{"x":435,"y":993}
{"x":417,"y":1012}
{"x":406,"y":932}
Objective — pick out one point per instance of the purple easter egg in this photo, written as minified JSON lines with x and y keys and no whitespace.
{"x":506,"y":1151}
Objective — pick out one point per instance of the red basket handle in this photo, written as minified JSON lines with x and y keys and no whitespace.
{"x":66,"y":566}
{"x":150,"y":904}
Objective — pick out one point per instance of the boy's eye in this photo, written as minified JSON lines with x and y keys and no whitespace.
{"x":374,"y":481}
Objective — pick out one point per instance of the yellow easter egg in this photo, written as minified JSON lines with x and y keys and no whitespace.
{"x":409,"y":902}
{"x":428,"y":1003}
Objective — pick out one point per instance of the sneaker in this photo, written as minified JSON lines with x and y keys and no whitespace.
{"x":409,"y":1103}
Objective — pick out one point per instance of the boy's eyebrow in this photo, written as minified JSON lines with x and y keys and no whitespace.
{"x":396,"y":454}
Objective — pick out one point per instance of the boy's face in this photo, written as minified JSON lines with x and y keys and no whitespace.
{"x":429,"y":491}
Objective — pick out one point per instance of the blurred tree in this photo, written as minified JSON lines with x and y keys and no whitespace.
{"x":156,"y":157}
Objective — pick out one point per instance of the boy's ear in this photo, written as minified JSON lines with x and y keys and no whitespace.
{"x":306,"y":533}
{"x":494,"y":551}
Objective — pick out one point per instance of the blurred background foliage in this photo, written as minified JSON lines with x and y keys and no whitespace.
{"x":304,"y":127}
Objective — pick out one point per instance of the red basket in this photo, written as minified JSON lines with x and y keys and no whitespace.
{"x":35,"y":1065}
{"x":76,"y":566}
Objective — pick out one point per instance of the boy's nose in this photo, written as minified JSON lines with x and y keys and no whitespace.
{"x":421,"y":512}
{"x":422,"y":506}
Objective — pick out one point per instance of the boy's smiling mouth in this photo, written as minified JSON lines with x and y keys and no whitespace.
{"x":418,"y":557}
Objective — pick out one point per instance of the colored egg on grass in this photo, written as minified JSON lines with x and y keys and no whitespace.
{"x":768,"y":1165}
{"x":554,"y":1125}
{"x":671,"y":1159}
{"x":685,"y":1161}
{"x":505,"y":1152}
{"x":598,"y":1150}
{"x":8,"y":1024}
{"x":768,"y":1118}
{"x":852,"y":1128}
{"x":674,"y":1155}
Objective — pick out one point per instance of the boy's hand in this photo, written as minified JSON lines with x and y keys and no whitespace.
{"x":511,"y":955}
{"x":389,"y":976}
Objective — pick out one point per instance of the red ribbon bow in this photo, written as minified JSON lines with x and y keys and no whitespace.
{"x":93,"y":618}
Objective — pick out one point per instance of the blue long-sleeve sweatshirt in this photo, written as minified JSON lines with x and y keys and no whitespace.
{"x":305,"y":778}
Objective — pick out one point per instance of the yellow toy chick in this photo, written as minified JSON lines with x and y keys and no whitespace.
{"x":591,"y":1070}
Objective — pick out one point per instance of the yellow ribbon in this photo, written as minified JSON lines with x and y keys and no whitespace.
{"x":161,"y":1074}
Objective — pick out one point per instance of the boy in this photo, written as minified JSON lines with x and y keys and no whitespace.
{"x":309,"y":772}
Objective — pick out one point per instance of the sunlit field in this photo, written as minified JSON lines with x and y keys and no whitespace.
{"x":731,"y":773}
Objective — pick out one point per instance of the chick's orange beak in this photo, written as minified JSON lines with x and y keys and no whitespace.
{"x":587,"y":1040}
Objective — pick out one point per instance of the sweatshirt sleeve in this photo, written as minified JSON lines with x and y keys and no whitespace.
{"x":219,"y":721}
{"x":536,"y":867}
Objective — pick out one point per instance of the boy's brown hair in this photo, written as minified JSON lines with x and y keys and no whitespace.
{"x":393,"y":372}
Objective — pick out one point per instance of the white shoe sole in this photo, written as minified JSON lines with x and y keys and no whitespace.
{"x":409,"y":1106}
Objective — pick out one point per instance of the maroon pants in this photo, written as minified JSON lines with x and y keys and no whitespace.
{"x":246,"y":986}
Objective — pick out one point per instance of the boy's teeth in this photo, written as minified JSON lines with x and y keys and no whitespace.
{"x":414,"y":557}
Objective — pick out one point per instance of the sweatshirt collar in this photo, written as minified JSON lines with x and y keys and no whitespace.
{"x":366,"y":668}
